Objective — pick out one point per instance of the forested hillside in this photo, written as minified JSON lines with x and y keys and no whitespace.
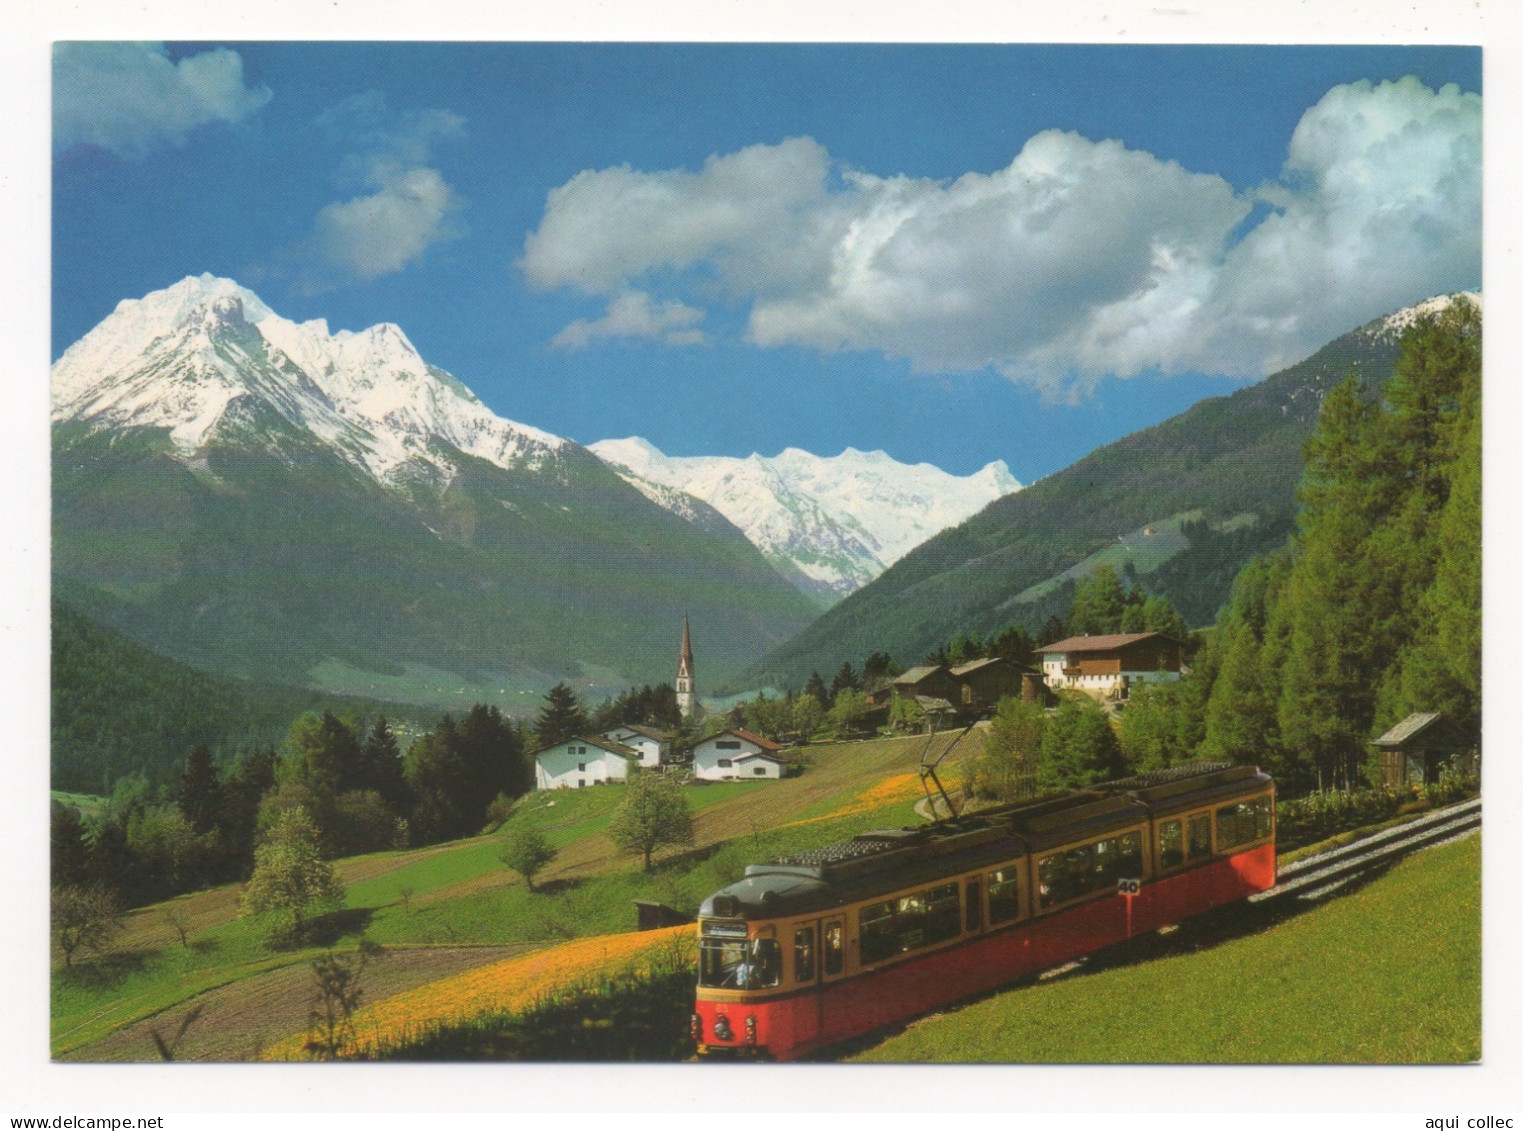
{"x":1227,"y":458}
{"x":119,"y":709}
{"x":1374,"y":610}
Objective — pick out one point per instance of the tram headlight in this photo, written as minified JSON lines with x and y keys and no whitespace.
{"x":751,"y":1030}
{"x":722,"y":1030}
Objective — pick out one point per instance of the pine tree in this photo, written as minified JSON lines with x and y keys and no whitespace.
{"x":846,"y":679}
{"x":815,"y":686}
{"x":1098,"y":604}
{"x":1078,"y":748}
{"x":1336,"y":606}
{"x":381,"y":767}
{"x":201,"y":799}
{"x":440,"y":784}
{"x":561,"y":716}
{"x":1053,"y":630}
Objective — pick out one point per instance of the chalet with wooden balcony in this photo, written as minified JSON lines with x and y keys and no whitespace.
{"x":1108,"y":667}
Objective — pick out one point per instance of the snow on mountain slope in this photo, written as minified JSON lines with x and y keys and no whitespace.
{"x":1393,"y":325}
{"x":185,"y":357}
{"x":830,"y":524}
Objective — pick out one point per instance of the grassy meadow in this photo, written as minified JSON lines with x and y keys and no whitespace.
{"x":445,"y":909}
{"x":474,"y":966}
{"x":1389,"y":973}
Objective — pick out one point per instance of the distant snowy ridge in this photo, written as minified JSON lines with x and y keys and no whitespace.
{"x":188,"y":358}
{"x":830,"y":524}
{"x":1393,"y":325}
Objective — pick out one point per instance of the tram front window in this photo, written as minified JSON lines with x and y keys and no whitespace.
{"x":739,"y":964}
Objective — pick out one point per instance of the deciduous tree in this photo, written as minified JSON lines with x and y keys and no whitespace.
{"x":654,"y":813}
{"x":291,"y":881}
{"x":526,"y":851}
{"x":88,"y":917}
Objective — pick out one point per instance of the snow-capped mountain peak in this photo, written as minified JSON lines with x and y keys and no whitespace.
{"x":182,"y":357}
{"x":1393,"y":325}
{"x":830,"y":524}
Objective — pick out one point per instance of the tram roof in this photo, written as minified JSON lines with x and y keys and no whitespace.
{"x":886,"y":859}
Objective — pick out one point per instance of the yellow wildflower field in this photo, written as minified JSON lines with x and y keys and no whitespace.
{"x":889,"y":791}
{"x":510,"y":986}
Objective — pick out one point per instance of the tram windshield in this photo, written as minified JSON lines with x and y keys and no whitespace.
{"x":739,"y":964}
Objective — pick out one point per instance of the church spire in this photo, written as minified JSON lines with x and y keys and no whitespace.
{"x":687,"y":697}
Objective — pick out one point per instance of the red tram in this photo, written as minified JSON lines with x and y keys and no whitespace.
{"x":828,"y":944}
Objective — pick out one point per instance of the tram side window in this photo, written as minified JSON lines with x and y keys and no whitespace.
{"x":1088,"y":868}
{"x":1241,"y":823}
{"x":1004,"y":896}
{"x":1066,"y":875}
{"x":1200,"y":836}
{"x":975,"y":917}
{"x":1171,"y":844}
{"x":941,"y":914}
{"x":803,"y":954}
{"x":907,"y":923}
{"x":835,"y":948}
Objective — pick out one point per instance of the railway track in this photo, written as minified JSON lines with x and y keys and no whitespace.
{"x":1315,"y":876}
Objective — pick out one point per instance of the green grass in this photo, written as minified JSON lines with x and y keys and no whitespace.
{"x":93,"y":999}
{"x":1387,"y":974}
{"x":459,"y":894}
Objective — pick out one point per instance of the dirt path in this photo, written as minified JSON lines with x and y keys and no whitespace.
{"x":235,"y":1022}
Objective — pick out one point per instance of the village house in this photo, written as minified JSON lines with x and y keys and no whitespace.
{"x":1108,"y":667}
{"x":581,"y":761}
{"x":654,"y":747}
{"x":736,"y":755}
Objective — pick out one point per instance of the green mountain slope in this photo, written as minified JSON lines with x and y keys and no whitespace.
{"x":119,"y":709}
{"x":1226,"y":457}
{"x":268,"y":556}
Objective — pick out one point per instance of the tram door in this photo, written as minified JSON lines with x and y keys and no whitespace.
{"x":806,"y":972}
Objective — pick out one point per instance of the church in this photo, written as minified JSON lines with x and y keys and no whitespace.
{"x":687,"y":694}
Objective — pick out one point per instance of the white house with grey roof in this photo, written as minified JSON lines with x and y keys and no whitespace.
{"x":654,"y":747}
{"x":738,"y":755}
{"x":581,"y":761}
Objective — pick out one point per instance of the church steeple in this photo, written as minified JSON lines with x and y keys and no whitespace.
{"x":687,"y":697}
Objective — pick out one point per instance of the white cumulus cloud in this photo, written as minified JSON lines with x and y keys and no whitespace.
{"x":409,"y":205}
{"x":384,"y":231}
{"x":1079,"y":259}
{"x":131,"y":98}
{"x":634,"y":314}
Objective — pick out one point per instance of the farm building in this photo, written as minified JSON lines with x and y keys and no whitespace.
{"x":735,"y":755}
{"x":582,"y":761}
{"x":1414,"y":750}
{"x":654,"y":747}
{"x":928,"y":681}
{"x":1107,"y":667}
{"x":983,"y":683}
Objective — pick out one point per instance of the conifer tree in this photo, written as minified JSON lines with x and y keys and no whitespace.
{"x":201,"y":801}
{"x":381,"y":766}
{"x":561,"y":716}
{"x":1098,"y":604}
{"x":1078,"y":748}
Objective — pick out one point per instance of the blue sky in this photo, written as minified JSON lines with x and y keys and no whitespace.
{"x":952,"y":253}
